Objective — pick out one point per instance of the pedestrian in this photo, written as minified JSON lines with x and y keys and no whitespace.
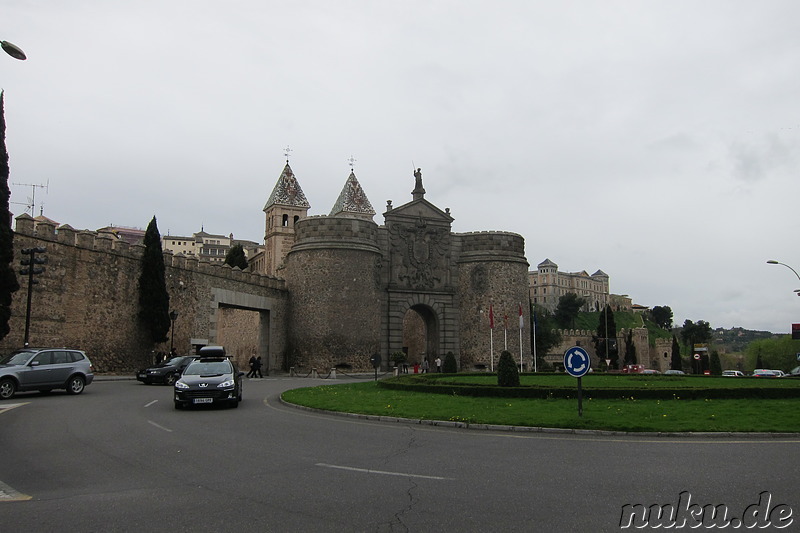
{"x":425,"y":366}
{"x":438,"y":363}
{"x":257,"y":368}
{"x":252,"y":364}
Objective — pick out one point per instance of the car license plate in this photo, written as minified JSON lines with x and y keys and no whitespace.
{"x":203,"y":400}
{"x":142,"y":375}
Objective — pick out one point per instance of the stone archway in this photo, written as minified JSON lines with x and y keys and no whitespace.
{"x":421,"y":334}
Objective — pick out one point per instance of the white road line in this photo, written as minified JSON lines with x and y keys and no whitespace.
{"x":159,"y":426}
{"x":7,"y":494}
{"x":369,"y":471}
{"x":8,"y":406}
{"x":151,"y":403}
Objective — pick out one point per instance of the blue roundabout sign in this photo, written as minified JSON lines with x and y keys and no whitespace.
{"x":577,"y":361}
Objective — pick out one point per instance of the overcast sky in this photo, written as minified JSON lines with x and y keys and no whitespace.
{"x":654,"y":140}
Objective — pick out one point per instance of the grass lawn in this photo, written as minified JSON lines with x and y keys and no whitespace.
{"x":620,"y":414}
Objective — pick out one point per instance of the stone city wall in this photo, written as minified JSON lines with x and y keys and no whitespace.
{"x":87,"y":298}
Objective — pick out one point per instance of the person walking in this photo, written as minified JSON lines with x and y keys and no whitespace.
{"x":257,"y":368}
{"x":425,"y":366}
{"x":438,"y":363}
{"x":252,"y":364}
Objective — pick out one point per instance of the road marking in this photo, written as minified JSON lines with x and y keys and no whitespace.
{"x":7,"y":494}
{"x":9,"y":406}
{"x":384,"y":473}
{"x":159,"y":426}
{"x":151,"y":403}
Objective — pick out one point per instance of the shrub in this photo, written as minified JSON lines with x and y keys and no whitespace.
{"x":450,"y":365}
{"x":507,"y":373}
{"x":398,"y":358}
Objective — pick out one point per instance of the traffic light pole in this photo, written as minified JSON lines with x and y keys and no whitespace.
{"x":29,"y":270}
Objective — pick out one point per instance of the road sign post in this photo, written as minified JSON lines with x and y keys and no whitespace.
{"x":577,"y":363}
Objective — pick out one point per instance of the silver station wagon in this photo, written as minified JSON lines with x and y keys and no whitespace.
{"x":44,"y":369}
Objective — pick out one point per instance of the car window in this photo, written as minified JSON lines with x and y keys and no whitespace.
{"x":44,"y":358}
{"x":17,"y":358}
{"x":207,"y":368}
{"x":74,"y":357}
{"x":60,"y":358}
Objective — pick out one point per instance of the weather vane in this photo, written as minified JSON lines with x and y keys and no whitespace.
{"x":352,"y":161}
{"x":286,"y":152}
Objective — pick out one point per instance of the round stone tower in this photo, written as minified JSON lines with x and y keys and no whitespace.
{"x":492,"y":280}
{"x":333,"y":278}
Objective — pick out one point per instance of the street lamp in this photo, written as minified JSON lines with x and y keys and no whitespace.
{"x":173,"y":316}
{"x":773,"y":262}
{"x":13,"y":50}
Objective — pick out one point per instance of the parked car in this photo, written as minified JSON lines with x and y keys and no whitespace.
{"x":674,"y":373}
{"x":764,"y":373}
{"x":211,"y":378}
{"x":733,"y":373}
{"x":44,"y":369}
{"x":166,"y":372}
{"x":650,"y":371}
{"x":793,"y":373}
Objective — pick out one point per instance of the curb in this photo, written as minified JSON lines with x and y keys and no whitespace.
{"x":552,"y":431}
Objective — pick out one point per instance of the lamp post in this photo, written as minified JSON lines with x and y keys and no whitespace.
{"x":13,"y":50}
{"x":773,"y":262}
{"x":173,"y":316}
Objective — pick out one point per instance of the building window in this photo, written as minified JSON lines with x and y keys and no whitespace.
{"x":285,"y":222}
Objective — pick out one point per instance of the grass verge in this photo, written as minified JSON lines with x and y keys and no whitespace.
{"x":674,"y":415}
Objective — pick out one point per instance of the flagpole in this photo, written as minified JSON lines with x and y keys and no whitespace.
{"x":521,"y":324}
{"x":534,"y":342}
{"x":491,"y":338}
{"x":491,"y":350}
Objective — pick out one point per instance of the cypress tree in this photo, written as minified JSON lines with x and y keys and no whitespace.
{"x":153,"y":296}
{"x":8,"y":278}
{"x":507,"y":373}
{"x":630,"y":349}
{"x":605,"y":339}
{"x":450,"y":366}
{"x":675,"y":362}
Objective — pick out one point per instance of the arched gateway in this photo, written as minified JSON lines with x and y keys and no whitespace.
{"x":356,"y":288}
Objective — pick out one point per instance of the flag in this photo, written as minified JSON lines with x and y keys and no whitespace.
{"x":521,"y":322}
{"x":491,"y":317}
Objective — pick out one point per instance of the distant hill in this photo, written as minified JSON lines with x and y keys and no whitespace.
{"x":735,"y":340}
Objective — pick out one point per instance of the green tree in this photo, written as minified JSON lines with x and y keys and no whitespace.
{"x":696,"y":333}
{"x":8,"y":278}
{"x":236,"y":257}
{"x":779,"y":353}
{"x":675,"y":362}
{"x":568,"y":308}
{"x":507,"y":373}
{"x":450,"y":366}
{"x":153,"y":296}
{"x":662,"y":316}
{"x":714,"y":364}
{"x":605,"y":338}
{"x":630,"y":349}
{"x":544,"y":332}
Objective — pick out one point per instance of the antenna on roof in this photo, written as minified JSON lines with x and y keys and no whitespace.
{"x":30,"y":205}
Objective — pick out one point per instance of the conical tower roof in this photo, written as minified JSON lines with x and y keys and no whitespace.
{"x":287,"y":191}
{"x":353,"y":200}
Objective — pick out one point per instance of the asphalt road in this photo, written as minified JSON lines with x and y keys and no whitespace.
{"x":120,"y":458}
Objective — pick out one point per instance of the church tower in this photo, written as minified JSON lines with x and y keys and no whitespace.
{"x":353,"y":201}
{"x":286,"y":205}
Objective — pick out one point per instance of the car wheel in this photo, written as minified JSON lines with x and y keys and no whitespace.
{"x":75,"y":385}
{"x":7,"y":389}
{"x":169,"y":379}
